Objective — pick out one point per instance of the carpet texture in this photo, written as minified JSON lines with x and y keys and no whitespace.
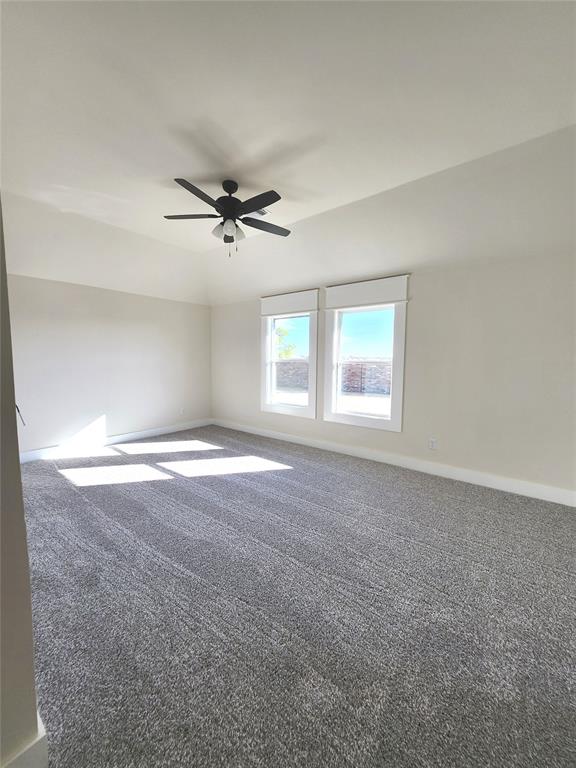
{"x":338,"y":613}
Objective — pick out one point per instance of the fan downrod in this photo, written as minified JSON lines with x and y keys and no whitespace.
{"x":229,"y":186}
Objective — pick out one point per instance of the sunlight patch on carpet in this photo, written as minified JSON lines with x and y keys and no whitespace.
{"x":123,"y":473}
{"x":233,"y":465}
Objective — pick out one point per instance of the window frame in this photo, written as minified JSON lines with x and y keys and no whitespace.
{"x":307,"y":411}
{"x":332,"y":335}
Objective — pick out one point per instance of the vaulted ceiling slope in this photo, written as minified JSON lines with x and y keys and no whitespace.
{"x":329,"y":103}
{"x":515,"y":204}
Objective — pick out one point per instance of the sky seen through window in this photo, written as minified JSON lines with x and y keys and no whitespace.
{"x":367,"y":334}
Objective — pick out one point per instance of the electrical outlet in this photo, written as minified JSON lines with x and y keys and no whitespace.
{"x":433,"y":444}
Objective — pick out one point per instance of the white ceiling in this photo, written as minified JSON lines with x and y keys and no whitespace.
{"x":104,"y":103}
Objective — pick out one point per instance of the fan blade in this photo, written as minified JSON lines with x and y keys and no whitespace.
{"x":265,"y":226}
{"x":198,"y":192}
{"x":194,"y":216}
{"x":259,"y":201}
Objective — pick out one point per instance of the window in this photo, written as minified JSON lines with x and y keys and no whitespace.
{"x":289,"y":356}
{"x":365,"y":355}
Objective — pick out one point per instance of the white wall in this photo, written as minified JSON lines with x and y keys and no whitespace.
{"x":81,"y":353}
{"x":489,"y":372}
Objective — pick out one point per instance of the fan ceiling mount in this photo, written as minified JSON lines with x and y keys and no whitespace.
{"x":231,"y":210}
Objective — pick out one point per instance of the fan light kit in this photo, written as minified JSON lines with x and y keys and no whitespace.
{"x":231,"y":210}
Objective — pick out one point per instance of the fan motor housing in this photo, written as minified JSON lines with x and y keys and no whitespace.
{"x":229,"y":207}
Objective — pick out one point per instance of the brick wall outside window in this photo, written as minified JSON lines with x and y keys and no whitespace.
{"x":359,"y":376}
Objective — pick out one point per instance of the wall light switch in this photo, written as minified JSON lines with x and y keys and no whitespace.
{"x":433,"y":444}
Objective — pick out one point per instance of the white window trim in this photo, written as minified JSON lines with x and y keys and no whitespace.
{"x":394,"y":423}
{"x":382,"y":290}
{"x":308,"y":411}
{"x":296,"y":302}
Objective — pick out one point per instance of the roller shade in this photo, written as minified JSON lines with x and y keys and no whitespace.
{"x":288,"y":303}
{"x":382,"y":291}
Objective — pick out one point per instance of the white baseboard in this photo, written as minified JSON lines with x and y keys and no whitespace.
{"x":34,"y":755}
{"x":500,"y":483}
{"x":45,"y":453}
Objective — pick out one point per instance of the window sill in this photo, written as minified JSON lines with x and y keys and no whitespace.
{"x":307,"y":412}
{"x":371,"y":422}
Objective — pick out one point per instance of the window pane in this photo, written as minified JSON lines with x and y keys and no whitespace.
{"x":291,"y":337}
{"x":289,"y":360}
{"x":364,"y":361}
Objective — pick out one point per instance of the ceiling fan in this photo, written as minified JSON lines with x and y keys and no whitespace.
{"x":230,"y":209}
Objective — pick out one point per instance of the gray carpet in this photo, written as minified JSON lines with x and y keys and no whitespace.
{"x":339,"y":613}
